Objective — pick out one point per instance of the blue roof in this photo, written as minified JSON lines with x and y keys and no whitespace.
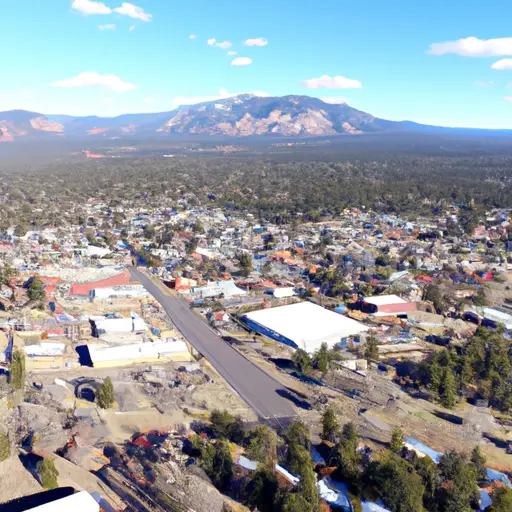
{"x":498,"y":475}
{"x":423,"y":448}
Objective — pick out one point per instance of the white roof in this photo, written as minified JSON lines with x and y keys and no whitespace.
{"x":78,"y":502}
{"x":307,"y":324}
{"x":137,"y":351}
{"x":384,"y":300}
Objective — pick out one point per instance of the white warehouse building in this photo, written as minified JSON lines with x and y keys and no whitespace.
{"x":304,"y":325}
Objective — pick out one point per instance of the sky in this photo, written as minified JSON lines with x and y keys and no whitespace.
{"x":439,"y":62}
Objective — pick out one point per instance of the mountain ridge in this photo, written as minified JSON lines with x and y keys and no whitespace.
{"x":238,"y":116}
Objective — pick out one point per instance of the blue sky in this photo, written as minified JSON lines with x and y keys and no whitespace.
{"x":85,"y":57}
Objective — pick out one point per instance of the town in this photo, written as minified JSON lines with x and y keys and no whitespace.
{"x":189,"y":356}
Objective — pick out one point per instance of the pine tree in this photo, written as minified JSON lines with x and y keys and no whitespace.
{"x":397,"y":440}
{"x":501,"y":500}
{"x":478,"y":459}
{"x":35,"y":289}
{"x":371,"y":351}
{"x":105,"y":394}
{"x":302,"y":361}
{"x":331,"y":426}
{"x":17,"y":376}
{"x":435,"y":375}
{"x":322,"y":358}
{"x":448,"y":389}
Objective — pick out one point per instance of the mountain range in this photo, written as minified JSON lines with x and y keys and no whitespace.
{"x":243,"y":115}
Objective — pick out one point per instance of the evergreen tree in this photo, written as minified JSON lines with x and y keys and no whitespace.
{"x":245,"y":260}
{"x":299,"y":446}
{"x":427,"y":470}
{"x":17,"y":375}
{"x":302,"y":361}
{"x":458,"y":491}
{"x":306,"y":498}
{"x":105,"y":394}
{"x":263,"y":491}
{"x":448,"y":389}
{"x":435,"y":375}
{"x":35,"y":289}
{"x":330,"y":425}
{"x":478,"y":459}
{"x":322,"y":358}
{"x":371,"y":351}
{"x":226,"y":425}
{"x":400,"y":487}
{"x":501,"y":500}
{"x":262,"y":447}
{"x":397,"y":440}
{"x":222,"y":465}
{"x":350,"y":432}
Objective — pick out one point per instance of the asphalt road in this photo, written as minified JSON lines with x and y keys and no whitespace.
{"x":257,"y":388}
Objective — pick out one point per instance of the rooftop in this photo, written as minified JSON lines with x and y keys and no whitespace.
{"x":307,"y":325}
{"x":384,"y":300}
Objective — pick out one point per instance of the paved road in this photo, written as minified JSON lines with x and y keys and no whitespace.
{"x":255,"y":386}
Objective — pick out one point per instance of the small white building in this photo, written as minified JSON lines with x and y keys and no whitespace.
{"x":121,"y":355}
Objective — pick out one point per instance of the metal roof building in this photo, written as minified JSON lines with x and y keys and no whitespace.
{"x":304,"y":325}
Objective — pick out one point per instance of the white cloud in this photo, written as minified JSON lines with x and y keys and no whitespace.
{"x":508,"y":98}
{"x":133,"y":11}
{"x":107,"y":101}
{"x":259,"y":41}
{"x":90,"y":7}
{"x":149,"y":101}
{"x":474,"y":47}
{"x":502,"y":64}
{"x":132,"y":28}
{"x":328,"y":82}
{"x":219,"y":44}
{"x":231,"y":53}
{"x":91,"y":78}
{"x":108,"y":26}
{"x":241,"y":61}
{"x":334,"y":100}
{"x":192,"y":36}
{"x":484,"y":83}
{"x":223,"y":94}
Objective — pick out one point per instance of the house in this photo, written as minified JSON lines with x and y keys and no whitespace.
{"x":387,"y":305}
{"x":214,"y":289}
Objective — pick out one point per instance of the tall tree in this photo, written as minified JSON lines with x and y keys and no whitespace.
{"x":322,"y":358}
{"x":397,"y":440}
{"x":299,"y":446}
{"x":302,"y":361}
{"x":105,"y":394}
{"x":478,"y":459}
{"x":371,"y":350}
{"x":459,"y":490}
{"x":400,"y":487}
{"x":448,"y":389}
{"x":17,"y":375}
{"x":330,"y":425}
{"x":35,"y":290}
{"x":501,"y":500}
{"x":263,"y":442}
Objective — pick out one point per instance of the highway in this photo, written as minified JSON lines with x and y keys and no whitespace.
{"x":258,"y":389}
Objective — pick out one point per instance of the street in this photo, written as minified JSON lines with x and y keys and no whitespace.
{"x":257,"y":388}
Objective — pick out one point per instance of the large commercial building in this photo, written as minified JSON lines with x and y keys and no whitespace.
{"x":304,"y":325}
